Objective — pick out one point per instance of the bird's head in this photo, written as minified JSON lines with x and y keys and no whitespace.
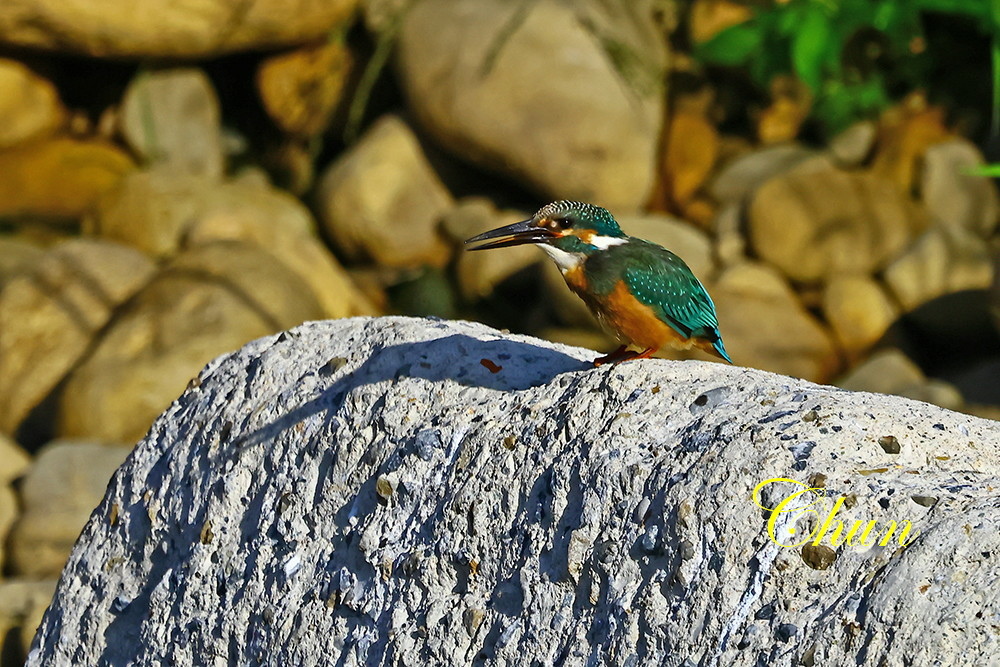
{"x":560,"y":227}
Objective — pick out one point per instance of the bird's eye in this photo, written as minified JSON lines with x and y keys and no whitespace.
{"x":562,"y":223}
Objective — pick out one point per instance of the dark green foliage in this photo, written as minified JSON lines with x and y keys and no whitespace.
{"x":846,"y":51}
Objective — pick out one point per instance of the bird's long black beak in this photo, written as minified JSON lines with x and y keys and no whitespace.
{"x":519,"y":233}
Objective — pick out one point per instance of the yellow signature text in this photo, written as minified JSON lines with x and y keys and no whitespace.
{"x":807,"y":501}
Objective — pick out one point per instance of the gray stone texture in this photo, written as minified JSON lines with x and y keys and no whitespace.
{"x":368,"y":491}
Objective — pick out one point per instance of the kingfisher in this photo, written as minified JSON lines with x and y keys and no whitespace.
{"x":640,"y":291}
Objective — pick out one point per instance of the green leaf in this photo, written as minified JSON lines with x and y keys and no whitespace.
{"x":733,"y":46}
{"x":810,"y":47}
{"x":988,"y":170}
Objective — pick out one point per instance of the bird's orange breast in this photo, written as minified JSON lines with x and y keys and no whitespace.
{"x":638,"y":322}
{"x":632,"y":320}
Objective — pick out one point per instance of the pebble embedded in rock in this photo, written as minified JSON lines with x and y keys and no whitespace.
{"x":818,"y":556}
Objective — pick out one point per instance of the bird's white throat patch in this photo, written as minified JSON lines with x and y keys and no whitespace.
{"x":566,"y":261}
{"x":605,"y":242}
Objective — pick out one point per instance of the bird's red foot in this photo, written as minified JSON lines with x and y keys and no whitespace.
{"x":624,"y":354}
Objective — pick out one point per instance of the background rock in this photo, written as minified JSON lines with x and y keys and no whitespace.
{"x":764,"y":324}
{"x":166,"y":30}
{"x":480,"y":272}
{"x":301,"y":89}
{"x":940,"y":261}
{"x":65,"y":482}
{"x":859,"y":311}
{"x":729,"y":230}
{"x":812,"y":223}
{"x":162,"y":212}
{"x":954,"y":197}
{"x":570,"y":125}
{"x":171,"y":117}
{"x":298,"y":507}
{"x":16,"y":256}
{"x":14,"y":461}
{"x":382,"y":200}
{"x":22,"y":603}
{"x":741,"y":177}
{"x":29,"y":105}
{"x":892,"y":372}
{"x":852,"y":146}
{"x":50,"y":315}
{"x":208,"y":301}
{"x":58,"y":179}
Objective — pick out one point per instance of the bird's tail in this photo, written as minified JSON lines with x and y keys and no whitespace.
{"x":719,"y":350}
{"x":710,"y":341}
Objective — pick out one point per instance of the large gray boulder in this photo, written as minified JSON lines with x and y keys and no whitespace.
{"x":410,"y":492}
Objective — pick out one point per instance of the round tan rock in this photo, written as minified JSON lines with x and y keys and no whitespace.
{"x":29,"y":104}
{"x":764,"y":325}
{"x":940,"y":261}
{"x":480,"y":272}
{"x":163,"y":212}
{"x":171,"y":117}
{"x":527,"y":90}
{"x":208,"y":301}
{"x":65,"y":483}
{"x":955,"y":197}
{"x":16,"y":256}
{"x":817,"y":222}
{"x":22,"y":604}
{"x":890,"y":371}
{"x":301,"y":89}
{"x":382,"y":201}
{"x":9,"y":511}
{"x":853,"y":146}
{"x":14,"y":461}
{"x":858,"y":310}
{"x":50,"y":315}
{"x":743,"y":175}
{"x":58,"y":179}
{"x":151,"y":28}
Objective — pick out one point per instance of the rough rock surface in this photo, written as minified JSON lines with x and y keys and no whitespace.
{"x":366,"y":491}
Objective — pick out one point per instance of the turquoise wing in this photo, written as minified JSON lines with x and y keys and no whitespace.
{"x":661,"y":280}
